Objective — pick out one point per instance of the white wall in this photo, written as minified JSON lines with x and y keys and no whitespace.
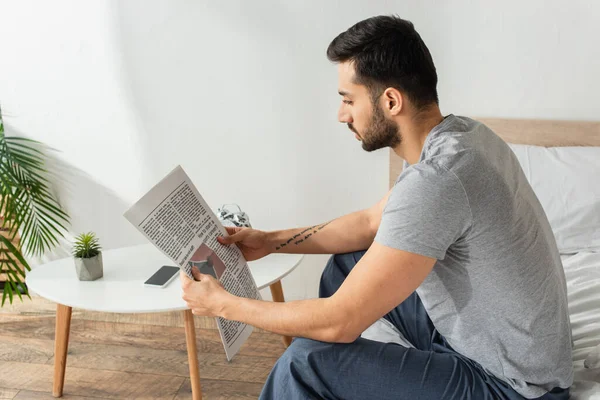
{"x":240,"y":93}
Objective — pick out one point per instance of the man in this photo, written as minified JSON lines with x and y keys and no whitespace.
{"x":459,"y":256}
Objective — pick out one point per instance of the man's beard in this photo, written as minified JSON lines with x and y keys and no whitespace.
{"x":380,"y":133}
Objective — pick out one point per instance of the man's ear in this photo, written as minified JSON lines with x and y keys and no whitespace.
{"x":393,"y":101}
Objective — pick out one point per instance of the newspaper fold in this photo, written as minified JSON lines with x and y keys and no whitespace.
{"x":176,"y":219}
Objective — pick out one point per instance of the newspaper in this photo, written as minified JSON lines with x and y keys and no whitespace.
{"x":176,"y":219}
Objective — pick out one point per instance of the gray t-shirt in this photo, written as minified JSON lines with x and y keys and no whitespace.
{"x":497,"y":292}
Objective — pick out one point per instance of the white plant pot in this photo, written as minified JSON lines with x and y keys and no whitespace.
{"x":89,"y":269}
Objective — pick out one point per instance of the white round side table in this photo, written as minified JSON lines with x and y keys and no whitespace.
{"x":121,"y":290}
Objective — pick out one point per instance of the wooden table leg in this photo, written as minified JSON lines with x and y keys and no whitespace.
{"x":61,"y":344}
{"x":277,"y":293}
{"x":192,"y":351}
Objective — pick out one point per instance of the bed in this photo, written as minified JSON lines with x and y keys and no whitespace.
{"x":582,"y":271}
{"x":561,"y":159}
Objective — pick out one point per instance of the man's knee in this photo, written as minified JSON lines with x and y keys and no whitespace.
{"x":348,"y":260}
{"x":305,"y":359}
{"x":297,"y":355}
{"x":333,"y":275}
{"x":343,"y":262}
{"x":336,"y":270}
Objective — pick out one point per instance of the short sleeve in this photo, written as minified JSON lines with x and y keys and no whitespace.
{"x":427,"y":211}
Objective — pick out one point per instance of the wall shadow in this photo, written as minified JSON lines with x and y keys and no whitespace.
{"x":91,"y":206}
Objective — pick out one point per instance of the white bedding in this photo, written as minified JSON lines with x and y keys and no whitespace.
{"x":582,"y":271}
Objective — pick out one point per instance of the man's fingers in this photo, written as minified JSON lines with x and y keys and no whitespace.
{"x":198,"y":276}
{"x":205,"y":277}
{"x":196,"y":273}
{"x":184,"y":278}
{"x":232,"y":229}
{"x":224,"y":239}
{"x":235,"y":235}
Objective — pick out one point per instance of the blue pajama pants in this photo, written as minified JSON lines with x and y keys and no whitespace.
{"x":367,"y":369}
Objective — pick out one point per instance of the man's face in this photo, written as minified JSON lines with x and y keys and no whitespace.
{"x":363,"y":115}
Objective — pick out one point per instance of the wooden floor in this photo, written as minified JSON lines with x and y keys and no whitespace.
{"x":125,"y":356}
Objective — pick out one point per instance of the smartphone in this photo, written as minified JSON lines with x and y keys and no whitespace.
{"x":162,"y":277}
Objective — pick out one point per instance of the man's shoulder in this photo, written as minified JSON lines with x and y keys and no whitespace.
{"x":465,"y":147}
{"x":428,"y":178}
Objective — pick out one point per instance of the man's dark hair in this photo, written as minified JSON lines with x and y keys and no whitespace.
{"x":387,"y":52}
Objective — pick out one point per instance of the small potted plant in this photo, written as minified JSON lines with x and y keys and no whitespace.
{"x":88,"y":257}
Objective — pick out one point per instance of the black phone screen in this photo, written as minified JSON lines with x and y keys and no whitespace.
{"x":162,"y":276}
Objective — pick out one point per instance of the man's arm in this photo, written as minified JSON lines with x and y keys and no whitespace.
{"x":383,"y":278}
{"x":352,"y":232}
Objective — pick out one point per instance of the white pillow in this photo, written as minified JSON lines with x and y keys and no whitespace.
{"x":566,"y":180}
{"x":593,"y":359}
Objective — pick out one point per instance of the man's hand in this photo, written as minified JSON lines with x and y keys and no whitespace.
{"x":205,"y":296}
{"x":252,"y":242}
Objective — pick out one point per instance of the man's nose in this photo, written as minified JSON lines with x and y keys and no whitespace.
{"x":344,"y":116}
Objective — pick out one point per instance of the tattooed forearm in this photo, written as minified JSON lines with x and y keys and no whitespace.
{"x":302,"y":236}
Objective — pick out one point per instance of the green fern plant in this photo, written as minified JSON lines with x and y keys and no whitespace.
{"x":86,"y":245}
{"x":27,"y":207}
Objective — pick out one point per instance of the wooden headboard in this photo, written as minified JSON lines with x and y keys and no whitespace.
{"x":546,"y":133}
